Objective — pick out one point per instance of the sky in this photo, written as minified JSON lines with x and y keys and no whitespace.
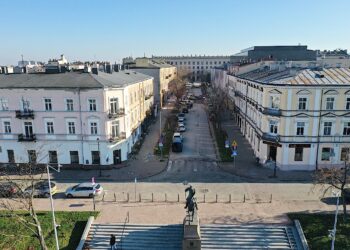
{"x":113,"y":29}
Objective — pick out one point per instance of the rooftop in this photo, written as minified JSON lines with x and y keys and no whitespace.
{"x":72,"y":80}
{"x":298,"y":76}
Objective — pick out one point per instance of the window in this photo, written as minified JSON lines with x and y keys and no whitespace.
{"x":92,"y":105}
{"x":95,"y":157}
{"x":344,"y":155}
{"x":275,"y":102}
{"x":326,"y":154}
{"x":273,"y":127}
{"x":347,"y":103}
{"x":214,"y":62}
{"x":115,"y":128}
{"x":4,"y":104}
{"x":69,"y":105}
{"x":113,"y":103}
{"x":53,"y":157}
{"x":329,"y":103}
{"x":11,"y":156}
{"x":48,"y":104}
{"x":28,"y":129}
{"x":49,"y":128}
{"x":25,"y":104}
{"x":7,"y":127}
{"x":71,"y":128}
{"x":31,"y":156}
{"x":300,"y":128}
{"x":74,"y":157}
{"x":298,"y":156}
{"x":302,"y":103}
{"x":93,"y":128}
{"x":327,"y":128}
{"x":346,"y":130}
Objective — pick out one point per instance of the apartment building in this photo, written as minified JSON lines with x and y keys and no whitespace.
{"x":297,"y":117}
{"x":72,"y":118}
{"x":198,"y":67}
{"x":161,"y":72}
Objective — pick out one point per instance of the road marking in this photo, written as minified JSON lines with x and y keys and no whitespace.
{"x":170,"y":163}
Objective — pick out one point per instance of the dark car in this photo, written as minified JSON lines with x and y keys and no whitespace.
{"x":8,"y":189}
{"x":184,"y":110}
{"x":347,"y":194}
{"x":176,"y":146}
{"x":189,"y":105}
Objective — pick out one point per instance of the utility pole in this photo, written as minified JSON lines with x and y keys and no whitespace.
{"x":99,"y":156}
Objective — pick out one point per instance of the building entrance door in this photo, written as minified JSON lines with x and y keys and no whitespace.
{"x":273,"y":152}
{"x":117,"y":156}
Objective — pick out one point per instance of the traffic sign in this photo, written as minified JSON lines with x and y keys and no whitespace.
{"x":160,"y":145}
{"x":234,"y":143}
{"x":234,"y":153}
{"x":227,"y":144}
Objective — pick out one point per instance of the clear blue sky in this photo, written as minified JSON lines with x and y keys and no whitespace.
{"x":112,"y":29}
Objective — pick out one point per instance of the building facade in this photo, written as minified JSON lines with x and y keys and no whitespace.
{"x":297,"y":118}
{"x":72,"y":118}
{"x":197,"y":67}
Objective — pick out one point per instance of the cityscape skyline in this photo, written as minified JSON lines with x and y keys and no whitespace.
{"x":114,"y":30}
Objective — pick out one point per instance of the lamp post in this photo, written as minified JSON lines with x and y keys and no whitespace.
{"x":51,"y":201}
{"x":99,"y":158}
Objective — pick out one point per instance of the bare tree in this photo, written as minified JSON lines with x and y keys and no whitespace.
{"x":337,"y":178}
{"x":178,"y":85}
{"x":21,"y":197}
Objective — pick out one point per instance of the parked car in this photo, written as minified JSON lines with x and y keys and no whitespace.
{"x":347,"y":194}
{"x":41,"y":189}
{"x":181,"y":115}
{"x":181,"y":128}
{"x":197,"y":84}
{"x":177,"y":145}
{"x":86,"y":189}
{"x":184,"y":110}
{"x":178,"y":135}
{"x":180,"y":124}
{"x":181,"y":119}
{"x":8,"y":189}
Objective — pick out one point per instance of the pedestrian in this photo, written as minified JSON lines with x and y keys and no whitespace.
{"x":112,"y":242}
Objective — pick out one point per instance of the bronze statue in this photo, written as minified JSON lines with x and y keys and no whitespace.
{"x":191,"y":203}
{"x":191,"y":192}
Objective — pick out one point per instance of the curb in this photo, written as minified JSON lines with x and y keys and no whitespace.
{"x":85,"y":233}
{"x":301,"y":234}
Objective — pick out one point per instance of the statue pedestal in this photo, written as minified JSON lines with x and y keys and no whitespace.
{"x":192,"y":235}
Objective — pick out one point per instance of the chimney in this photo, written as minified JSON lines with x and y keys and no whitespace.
{"x":94,"y":69}
{"x":109,"y":68}
{"x":116,"y":67}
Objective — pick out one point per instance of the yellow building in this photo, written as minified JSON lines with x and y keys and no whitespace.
{"x":297,"y":118}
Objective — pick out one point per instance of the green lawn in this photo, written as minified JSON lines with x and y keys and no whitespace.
{"x":14,"y":235}
{"x":316,"y":228}
{"x":225,"y":153}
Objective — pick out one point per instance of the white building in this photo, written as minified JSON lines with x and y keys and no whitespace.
{"x":199,"y":67}
{"x":72,"y":118}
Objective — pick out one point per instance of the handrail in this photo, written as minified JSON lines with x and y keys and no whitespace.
{"x":121,"y":238}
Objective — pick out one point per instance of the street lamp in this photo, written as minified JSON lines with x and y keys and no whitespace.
{"x":51,"y":201}
{"x":334,"y":230}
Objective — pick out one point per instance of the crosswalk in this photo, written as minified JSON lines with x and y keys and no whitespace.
{"x":213,"y":236}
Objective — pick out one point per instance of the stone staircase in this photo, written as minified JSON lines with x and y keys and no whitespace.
{"x":214,"y":236}
{"x":219,"y":236}
{"x":136,"y":237}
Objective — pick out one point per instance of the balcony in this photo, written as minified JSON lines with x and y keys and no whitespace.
{"x":118,"y":138}
{"x":118,"y":113}
{"x":148,"y":96}
{"x":273,"y":138}
{"x":272,"y":112}
{"x":22,"y":137}
{"x":25,"y":114}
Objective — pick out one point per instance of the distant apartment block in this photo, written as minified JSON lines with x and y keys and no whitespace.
{"x":295,"y":117}
{"x":197,"y":67}
{"x":73,"y":117}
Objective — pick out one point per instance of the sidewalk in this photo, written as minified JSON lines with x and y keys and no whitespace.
{"x":144,"y":165}
{"x":245,"y":165}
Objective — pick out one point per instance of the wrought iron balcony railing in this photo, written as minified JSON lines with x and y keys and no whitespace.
{"x":117,"y":113}
{"x":272,"y":112}
{"x":274,"y":138}
{"x":22,"y":137}
{"x":25,"y":114}
{"x":121,"y":136}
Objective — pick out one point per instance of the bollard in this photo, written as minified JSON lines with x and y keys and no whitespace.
{"x":229,"y":201}
{"x":216,"y":198}
{"x":127,"y":197}
{"x":103,"y":197}
{"x":271,"y":198}
{"x":244,"y":198}
{"x":93,"y":201}
{"x":152,"y":197}
{"x":204,"y":199}
{"x":115,"y":198}
{"x":166,"y":198}
{"x":178,"y":197}
{"x":139,"y":197}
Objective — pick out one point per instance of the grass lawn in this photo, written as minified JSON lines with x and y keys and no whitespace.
{"x":14,"y":235}
{"x":225,"y":153}
{"x":316,"y":228}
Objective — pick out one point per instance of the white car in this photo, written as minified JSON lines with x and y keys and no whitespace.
{"x":197,"y":84}
{"x":180,"y":124}
{"x":86,"y":189}
{"x":181,"y":128}
{"x":178,"y":135}
{"x":181,"y":119}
